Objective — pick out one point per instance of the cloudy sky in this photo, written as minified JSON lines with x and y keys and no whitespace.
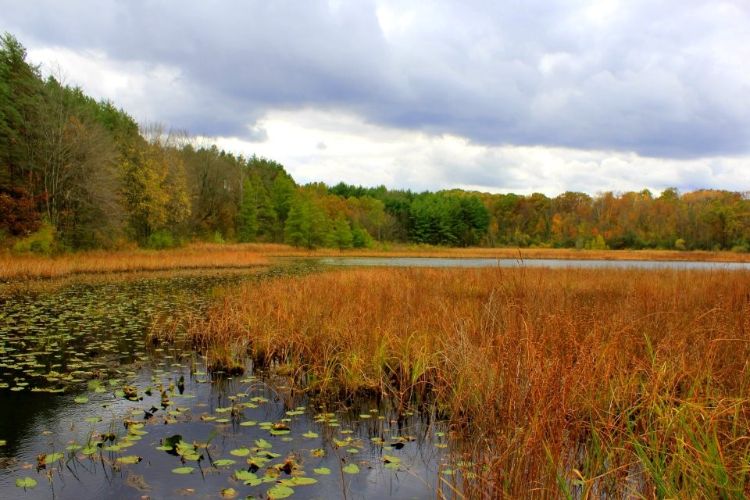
{"x":521,"y":96}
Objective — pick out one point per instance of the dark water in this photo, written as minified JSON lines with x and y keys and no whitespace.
{"x":85,"y":402}
{"x":551,"y":263}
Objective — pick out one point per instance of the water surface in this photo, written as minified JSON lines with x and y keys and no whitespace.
{"x":550,"y":263}
{"x":89,"y":408}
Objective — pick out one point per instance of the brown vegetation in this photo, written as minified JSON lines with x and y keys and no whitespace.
{"x":210,"y":256}
{"x":196,"y":256}
{"x":566,"y":382}
{"x":405,"y":250}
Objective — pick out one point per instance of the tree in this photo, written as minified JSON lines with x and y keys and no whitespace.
{"x":342,"y":233}
{"x":282,"y":193}
{"x":248,"y":217}
{"x":21,"y":107}
{"x":307,"y":224}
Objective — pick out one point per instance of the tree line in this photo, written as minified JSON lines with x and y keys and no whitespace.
{"x":78,"y":173}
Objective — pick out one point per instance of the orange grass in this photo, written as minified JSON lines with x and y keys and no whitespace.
{"x":569,"y":382}
{"x":208,"y":256}
{"x":402,"y":250}
{"x":195,"y":256}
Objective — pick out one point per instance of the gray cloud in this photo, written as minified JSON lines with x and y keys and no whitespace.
{"x":664,"y":79}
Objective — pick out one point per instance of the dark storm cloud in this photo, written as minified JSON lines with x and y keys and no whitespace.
{"x":657,"y":78}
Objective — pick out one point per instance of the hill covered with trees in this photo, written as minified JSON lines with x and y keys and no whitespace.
{"x":78,"y":173}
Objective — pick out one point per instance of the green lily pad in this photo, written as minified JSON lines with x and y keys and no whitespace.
{"x":280,"y":491}
{"x":243,"y":475}
{"x":323,"y":471}
{"x":310,"y":434}
{"x":351,"y":469}
{"x":129,"y":459}
{"x":54,"y":457}
{"x":26,"y":482}
{"x":263,"y":444}
{"x":81,"y":399}
{"x":183,"y":470}
{"x":224,"y":462}
{"x":299,"y":481}
{"x":240,"y":452}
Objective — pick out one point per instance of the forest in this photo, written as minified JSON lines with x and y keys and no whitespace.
{"x":77,"y":173}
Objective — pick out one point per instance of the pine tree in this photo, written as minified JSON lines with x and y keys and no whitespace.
{"x":342,"y":233}
{"x":248,"y":217}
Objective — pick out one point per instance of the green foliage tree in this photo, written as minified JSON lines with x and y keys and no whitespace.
{"x":85,"y":169}
{"x":248,"y":217}
{"x":282,"y":193}
{"x":307,"y":224}
{"x":342,"y":233}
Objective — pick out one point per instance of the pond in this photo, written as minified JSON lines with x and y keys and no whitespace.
{"x":552,"y":263}
{"x":90,"y":408}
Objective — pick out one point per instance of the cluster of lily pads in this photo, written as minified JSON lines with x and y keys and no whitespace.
{"x":296,"y":447}
{"x":157,"y":411}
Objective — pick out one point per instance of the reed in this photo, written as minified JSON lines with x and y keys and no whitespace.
{"x":14,"y":267}
{"x":414,"y":250}
{"x":568,"y":382}
{"x":195,"y":256}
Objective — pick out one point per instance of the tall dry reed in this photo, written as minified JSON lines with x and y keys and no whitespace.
{"x":566,"y":382}
{"x":195,"y":256}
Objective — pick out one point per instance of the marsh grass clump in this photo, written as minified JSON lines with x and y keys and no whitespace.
{"x":195,"y":256}
{"x":568,"y":382}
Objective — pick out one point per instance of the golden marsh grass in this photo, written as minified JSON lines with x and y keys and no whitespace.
{"x":195,"y":256}
{"x":568,"y":382}
{"x":216,"y":256}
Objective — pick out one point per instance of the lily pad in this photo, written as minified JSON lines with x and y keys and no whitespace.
{"x":280,"y":491}
{"x":351,"y":469}
{"x":183,"y":470}
{"x":263,"y":444}
{"x":54,"y":457}
{"x":26,"y":482}
{"x":299,"y":481}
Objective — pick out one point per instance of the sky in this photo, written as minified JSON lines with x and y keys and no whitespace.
{"x":500,"y":96}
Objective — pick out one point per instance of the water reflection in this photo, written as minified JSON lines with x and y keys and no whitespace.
{"x":551,"y":263}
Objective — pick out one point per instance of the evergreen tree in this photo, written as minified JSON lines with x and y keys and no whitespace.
{"x":248,"y":217}
{"x":342,"y":233}
{"x":298,"y":225}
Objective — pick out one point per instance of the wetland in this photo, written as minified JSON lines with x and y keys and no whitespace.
{"x":334,"y":378}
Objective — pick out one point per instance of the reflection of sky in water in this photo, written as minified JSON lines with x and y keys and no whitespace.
{"x":552,"y":263}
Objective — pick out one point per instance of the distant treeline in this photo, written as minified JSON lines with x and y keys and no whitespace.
{"x":79,"y":173}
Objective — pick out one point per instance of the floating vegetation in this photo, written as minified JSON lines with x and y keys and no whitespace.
{"x":26,"y":482}
{"x":115,"y":403}
{"x":351,"y":469}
